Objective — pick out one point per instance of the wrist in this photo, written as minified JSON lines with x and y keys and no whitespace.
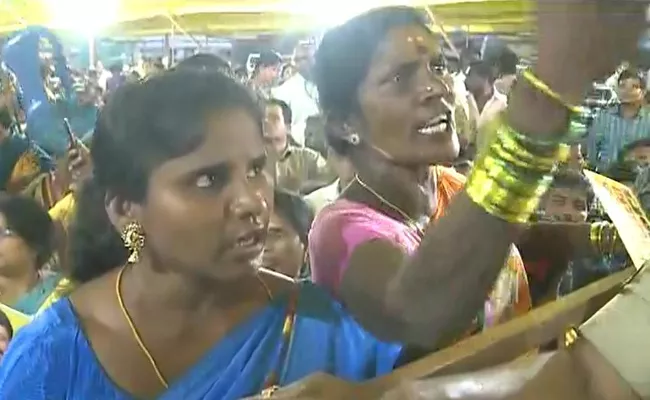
{"x":535,"y":114}
{"x":570,"y":83}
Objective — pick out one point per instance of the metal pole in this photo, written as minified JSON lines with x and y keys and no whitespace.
{"x":445,"y":37}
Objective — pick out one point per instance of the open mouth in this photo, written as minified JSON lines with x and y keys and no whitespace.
{"x":436,"y":125}
{"x":249,"y":245}
{"x":251,"y":239}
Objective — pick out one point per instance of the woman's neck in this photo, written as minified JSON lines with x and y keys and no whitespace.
{"x":14,"y":289}
{"x":181,"y":299}
{"x":397,"y":190}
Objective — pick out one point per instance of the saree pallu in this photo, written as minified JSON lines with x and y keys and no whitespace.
{"x":51,"y":358}
{"x":27,"y":170}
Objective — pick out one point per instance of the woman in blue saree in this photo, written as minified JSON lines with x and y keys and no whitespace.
{"x":169,"y":234}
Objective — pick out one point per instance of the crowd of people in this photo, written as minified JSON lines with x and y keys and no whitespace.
{"x":222,"y":235}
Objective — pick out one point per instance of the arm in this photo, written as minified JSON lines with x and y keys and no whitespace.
{"x":432,"y":297}
{"x":594,"y":141}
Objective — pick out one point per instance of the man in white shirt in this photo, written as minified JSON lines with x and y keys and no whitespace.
{"x":103,"y":75}
{"x":489,"y":101}
{"x":299,"y":92}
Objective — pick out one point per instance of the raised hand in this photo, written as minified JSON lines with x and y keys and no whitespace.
{"x":583,"y":40}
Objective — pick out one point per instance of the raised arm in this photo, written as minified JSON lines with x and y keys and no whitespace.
{"x":437,"y":292}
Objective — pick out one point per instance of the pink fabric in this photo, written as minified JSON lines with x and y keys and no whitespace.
{"x":342,"y":226}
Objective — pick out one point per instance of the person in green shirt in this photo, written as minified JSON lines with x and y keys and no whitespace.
{"x":298,"y":169}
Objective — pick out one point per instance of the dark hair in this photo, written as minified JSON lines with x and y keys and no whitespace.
{"x":631,"y":73}
{"x":508,"y":61}
{"x":570,"y":180}
{"x":287,"y":115}
{"x":341,"y":64}
{"x":483,"y":70}
{"x":333,"y":137}
{"x":344,"y":56}
{"x":5,"y":323}
{"x":204,"y":62}
{"x":268,"y":58}
{"x":142,"y":126}
{"x":293,"y":209}
{"x":32,"y":223}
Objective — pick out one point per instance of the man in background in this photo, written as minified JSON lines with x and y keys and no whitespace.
{"x":489,"y":102}
{"x":616,"y":127}
{"x":266,"y":73}
{"x":299,"y":92}
{"x":298,"y":169}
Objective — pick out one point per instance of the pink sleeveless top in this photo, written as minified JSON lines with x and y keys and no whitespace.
{"x":343,"y":225}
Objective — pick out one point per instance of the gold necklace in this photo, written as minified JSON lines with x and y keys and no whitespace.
{"x":136,"y":334}
{"x":408,"y":220}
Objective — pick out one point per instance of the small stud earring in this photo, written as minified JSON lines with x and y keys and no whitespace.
{"x":353,"y":139}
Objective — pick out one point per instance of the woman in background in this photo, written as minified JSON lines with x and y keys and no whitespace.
{"x":286,"y":242}
{"x":26,"y":245}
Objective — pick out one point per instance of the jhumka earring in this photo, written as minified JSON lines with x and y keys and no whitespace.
{"x":133,"y":237}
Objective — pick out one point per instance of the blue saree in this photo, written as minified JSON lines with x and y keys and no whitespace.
{"x":51,"y":358}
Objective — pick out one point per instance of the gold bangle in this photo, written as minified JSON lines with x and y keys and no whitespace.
{"x":593,"y":235}
{"x":543,"y":88}
{"x":511,"y":176}
{"x":517,"y":149}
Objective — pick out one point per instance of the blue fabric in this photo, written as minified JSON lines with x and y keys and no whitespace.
{"x":610,"y":133}
{"x":51,"y":358}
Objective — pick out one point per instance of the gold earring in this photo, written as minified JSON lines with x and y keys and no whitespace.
{"x":133,"y":237}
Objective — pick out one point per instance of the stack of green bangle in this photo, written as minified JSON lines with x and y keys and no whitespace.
{"x":512,"y":174}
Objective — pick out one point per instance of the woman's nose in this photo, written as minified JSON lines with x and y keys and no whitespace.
{"x":248,"y":202}
{"x":433,"y":86}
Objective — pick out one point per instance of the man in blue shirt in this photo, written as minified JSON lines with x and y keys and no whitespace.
{"x":616,"y":127}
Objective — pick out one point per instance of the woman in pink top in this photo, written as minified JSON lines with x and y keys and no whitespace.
{"x":387,"y":102}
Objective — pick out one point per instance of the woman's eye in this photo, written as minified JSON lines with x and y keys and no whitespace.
{"x":205,"y":181}
{"x":437,"y":67}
